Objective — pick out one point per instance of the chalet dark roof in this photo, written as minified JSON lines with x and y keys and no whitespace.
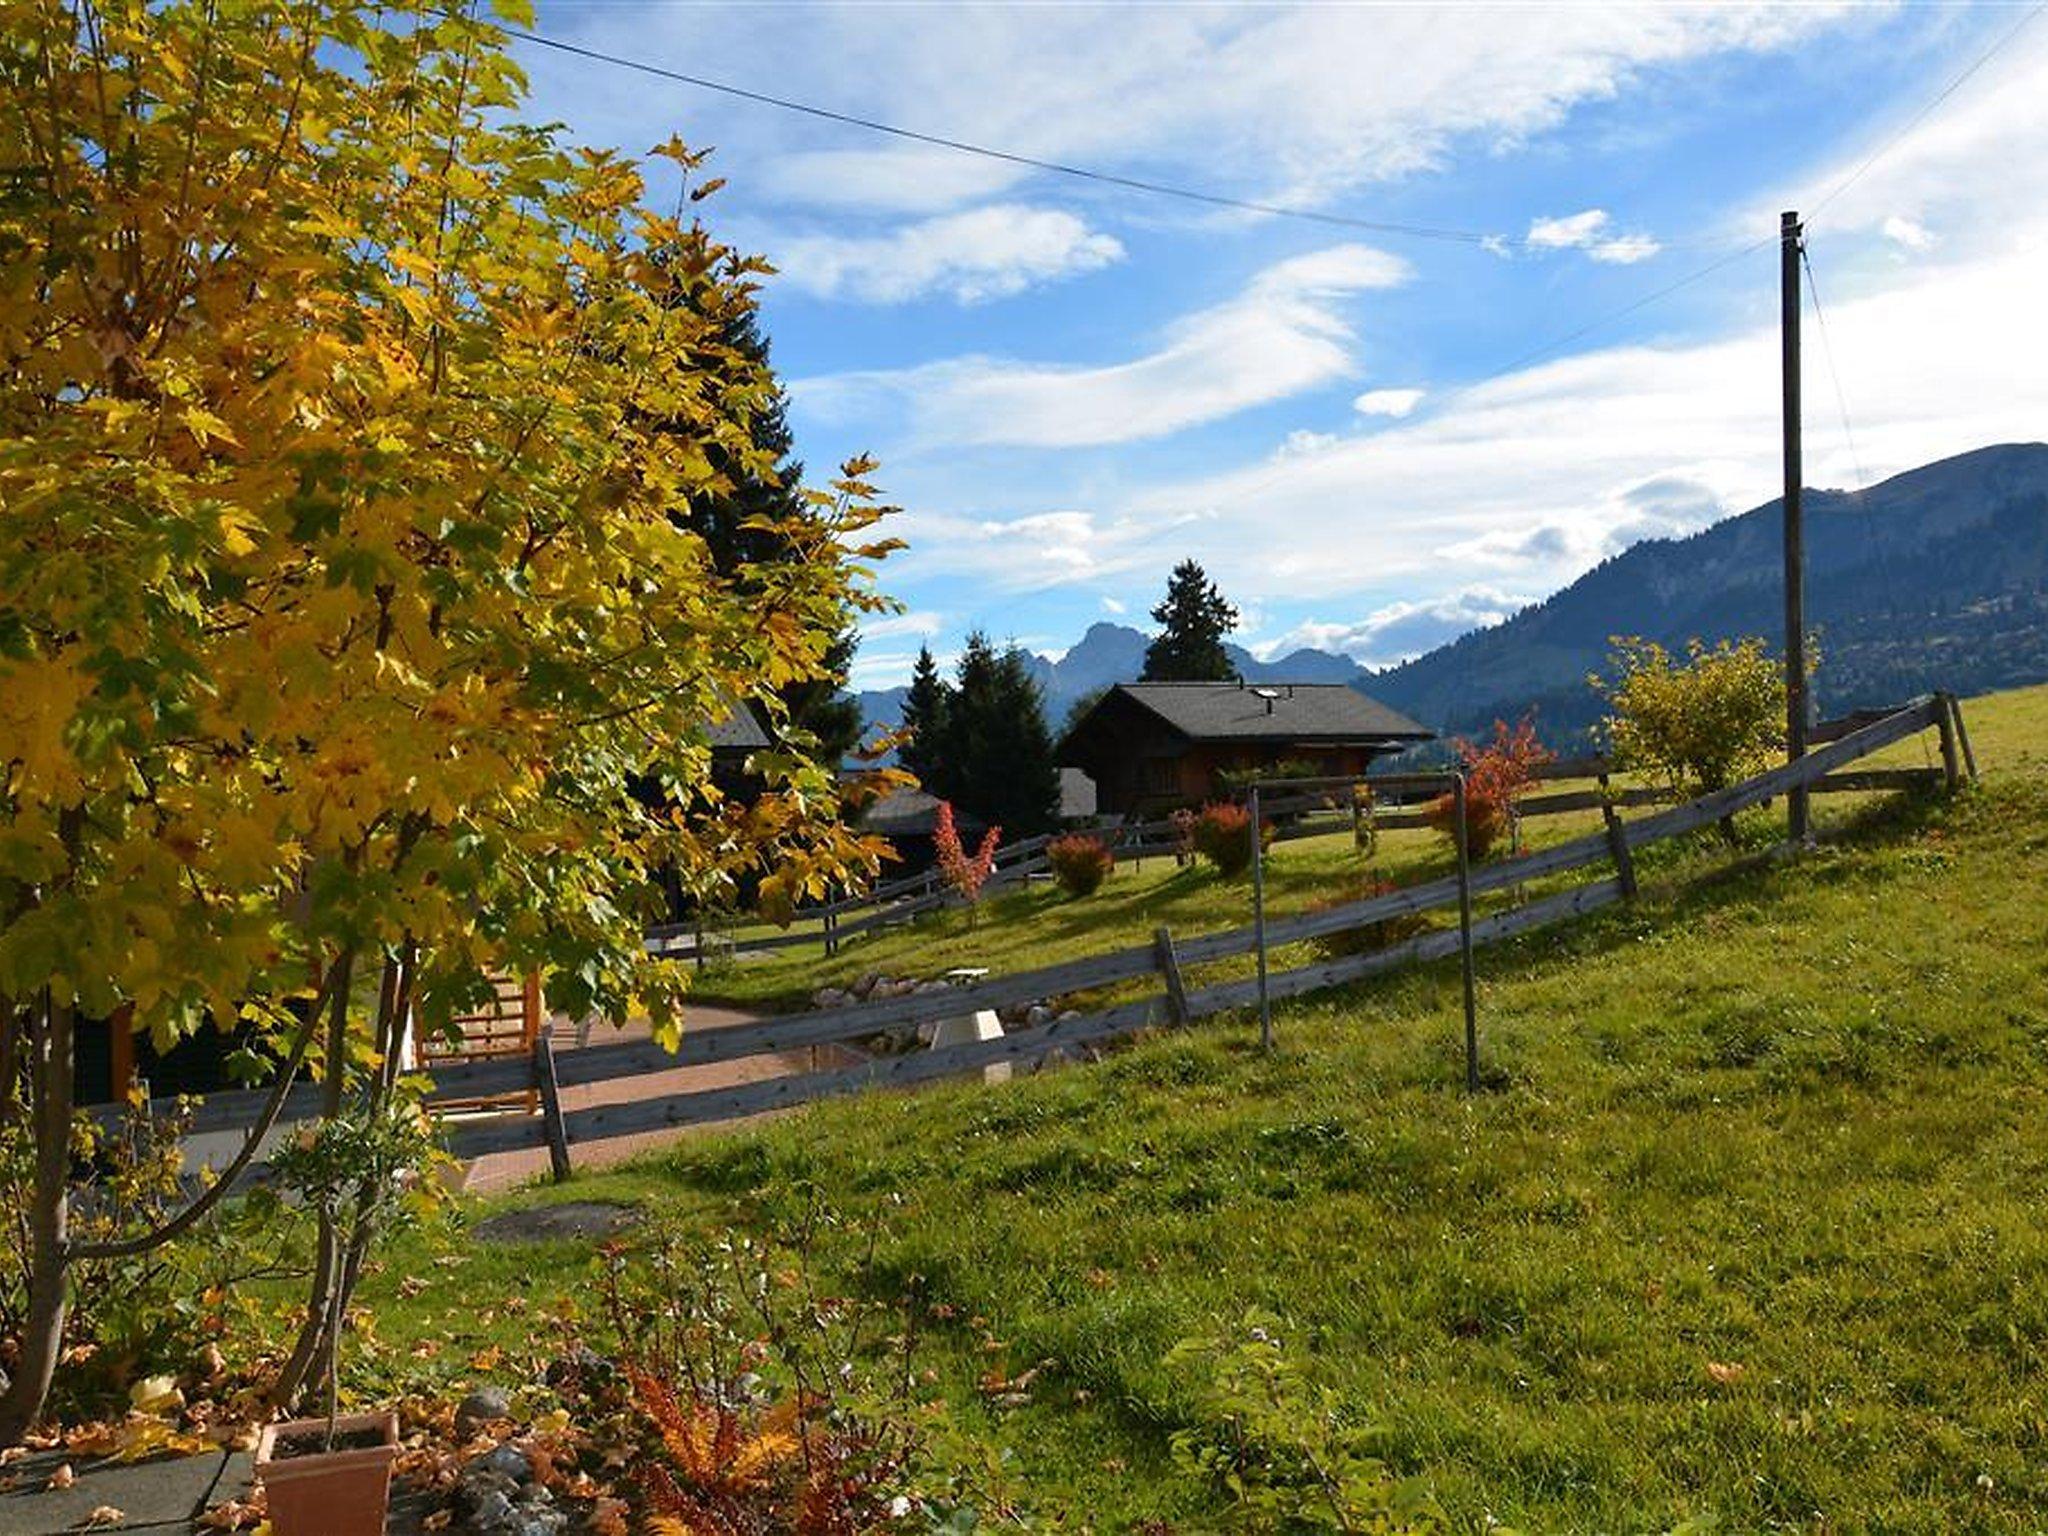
{"x":737,"y":732}
{"x":1276,"y":712}
{"x":1077,"y":795}
{"x":911,"y":813}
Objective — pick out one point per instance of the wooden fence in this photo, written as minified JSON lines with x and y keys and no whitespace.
{"x":1166,"y":959}
{"x":1296,"y":815}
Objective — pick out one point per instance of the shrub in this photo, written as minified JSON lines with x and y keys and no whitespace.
{"x":746,"y":1397}
{"x":965,"y":874}
{"x":1280,"y":1446}
{"x":1495,"y":775}
{"x":1234,"y":781}
{"x":1484,"y":821}
{"x":1699,"y":724}
{"x":1079,"y":863}
{"x":1367,"y":937}
{"x":155,"y":1311}
{"x":1222,"y":835}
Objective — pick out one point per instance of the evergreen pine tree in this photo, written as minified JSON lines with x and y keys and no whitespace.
{"x":927,"y":716}
{"x":822,"y":705}
{"x":1193,"y":620}
{"x":1000,"y":767}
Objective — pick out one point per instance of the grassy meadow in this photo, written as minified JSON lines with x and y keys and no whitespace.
{"x":1745,"y":1231}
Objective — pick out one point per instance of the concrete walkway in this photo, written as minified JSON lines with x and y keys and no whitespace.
{"x":167,"y":1495}
{"x":164,"y":1495}
{"x":504,"y":1170}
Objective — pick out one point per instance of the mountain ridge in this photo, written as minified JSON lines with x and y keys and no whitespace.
{"x":1936,"y":577}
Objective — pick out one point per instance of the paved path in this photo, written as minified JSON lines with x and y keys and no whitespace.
{"x":166,"y":1496}
{"x":503,"y":1170}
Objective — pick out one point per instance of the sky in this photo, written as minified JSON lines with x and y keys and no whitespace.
{"x":1371,"y":439}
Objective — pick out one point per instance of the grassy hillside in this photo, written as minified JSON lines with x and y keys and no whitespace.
{"x":1784,"y":1122}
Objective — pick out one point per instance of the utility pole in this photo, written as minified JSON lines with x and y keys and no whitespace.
{"x":1795,"y":532}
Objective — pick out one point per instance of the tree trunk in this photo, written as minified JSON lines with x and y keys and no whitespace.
{"x":306,"y":1349}
{"x":42,"y":1335}
{"x":11,"y":1029}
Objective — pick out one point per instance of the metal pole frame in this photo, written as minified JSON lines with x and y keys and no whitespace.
{"x":1432,"y":783}
{"x":1465,"y":937}
{"x":1259,"y":921}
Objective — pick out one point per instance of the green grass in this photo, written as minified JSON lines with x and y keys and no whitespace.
{"x":1788,"y":1117}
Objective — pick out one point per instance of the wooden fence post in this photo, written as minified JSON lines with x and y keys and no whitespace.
{"x":1945,"y":717}
{"x":1463,"y":841}
{"x":1955,"y":709}
{"x":1617,"y":843}
{"x":551,"y":1103}
{"x":831,"y":936}
{"x":1169,"y":967}
{"x":1259,"y":921}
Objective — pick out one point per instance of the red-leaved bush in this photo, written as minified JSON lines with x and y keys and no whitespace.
{"x":1495,"y":775}
{"x":964,"y":874}
{"x":1366,"y":937}
{"x":1222,"y":835}
{"x":1079,"y":863}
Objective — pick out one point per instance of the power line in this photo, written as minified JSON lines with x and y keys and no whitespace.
{"x":1859,"y":497}
{"x":1928,"y":110}
{"x":1031,"y":162}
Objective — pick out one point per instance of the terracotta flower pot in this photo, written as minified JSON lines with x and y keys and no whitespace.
{"x":312,"y":1491}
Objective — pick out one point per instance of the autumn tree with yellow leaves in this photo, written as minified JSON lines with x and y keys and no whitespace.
{"x":344,"y":422}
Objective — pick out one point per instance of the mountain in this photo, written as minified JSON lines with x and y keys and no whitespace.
{"x":1935,"y":578}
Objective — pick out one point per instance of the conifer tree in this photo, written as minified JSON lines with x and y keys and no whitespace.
{"x":744,"y":524}
{"x":927,"y":714}
{"x":1193,"y":619}
{"x":1001,"y":766}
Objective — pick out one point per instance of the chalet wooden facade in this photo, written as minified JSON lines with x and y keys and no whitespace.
{"x":1152,"y":747}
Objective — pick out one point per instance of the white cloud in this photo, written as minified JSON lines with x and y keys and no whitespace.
{"x":1300,"y":442}
{"x":1528,"y":480}
{"x":1284,"y":334}
{"x":1567,"y":233}
{"x":925,"y":179}
{"x":1387,"y":402}
{"x":1277,"y":102}
{"x":1624,"y":250}
{"x":985,"y":253}
{"x":1396,"y":631}
{"x":1588,"y":232}
{"x":1973,"y":169}
{"x":1111,"y":606}
{"x":1909,"y":233}
{"x":890,"y":626}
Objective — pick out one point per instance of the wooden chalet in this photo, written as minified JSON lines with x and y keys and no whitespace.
{"x":1152,"y":747}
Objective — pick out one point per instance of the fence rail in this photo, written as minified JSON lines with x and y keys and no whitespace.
{"x":1301,"y":814}
{"x":550,"y":1073}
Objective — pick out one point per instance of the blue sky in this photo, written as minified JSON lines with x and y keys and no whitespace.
{"x":1071,"y":387}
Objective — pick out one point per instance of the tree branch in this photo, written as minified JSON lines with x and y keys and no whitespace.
{"x":334,"y":988}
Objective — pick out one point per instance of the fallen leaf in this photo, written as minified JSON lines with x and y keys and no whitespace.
{"x":103,"y":1515}
{"x":156,"y":1394}
{"x":1727,"y":1373}
{"x":63,"y":1477}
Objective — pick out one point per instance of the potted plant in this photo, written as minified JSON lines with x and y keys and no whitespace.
{"x":357,"y":1170}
